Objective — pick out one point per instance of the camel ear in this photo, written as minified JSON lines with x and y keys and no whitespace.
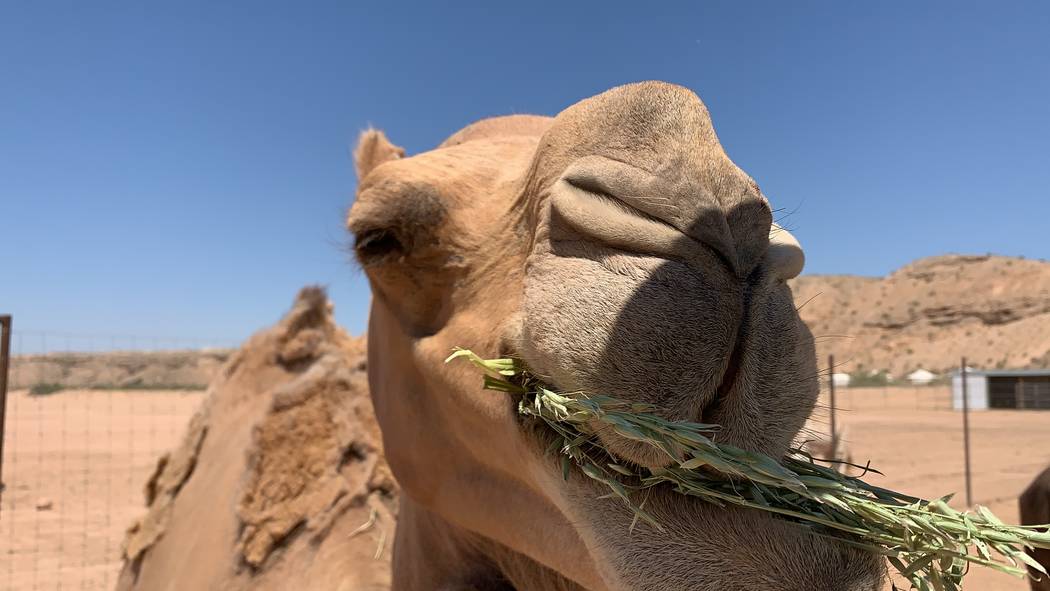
{"x":372,"y":150}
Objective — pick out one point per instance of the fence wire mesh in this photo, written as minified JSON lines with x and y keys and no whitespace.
{"x":87,"y":418}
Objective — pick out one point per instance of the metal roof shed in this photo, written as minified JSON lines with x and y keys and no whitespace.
{"x":1023,"y":389}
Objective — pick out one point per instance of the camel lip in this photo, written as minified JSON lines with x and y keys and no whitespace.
{"x":729,"y":377}
{"x":732,"y":371}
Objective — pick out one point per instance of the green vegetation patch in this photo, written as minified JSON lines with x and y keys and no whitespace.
{"x":862,"y":379}
{"x":46,"y":388}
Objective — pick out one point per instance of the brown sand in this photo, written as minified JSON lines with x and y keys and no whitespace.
{"x":111,"y":441}
{"x":921,"y":452}
{"x":88,"y":453}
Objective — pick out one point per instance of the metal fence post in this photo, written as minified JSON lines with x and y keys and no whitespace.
{"x":966,"y":433}
{"x":5,"y":355}
{"x":831,"y":390}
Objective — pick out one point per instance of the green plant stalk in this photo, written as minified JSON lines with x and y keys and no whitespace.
{"x":929,"y":543}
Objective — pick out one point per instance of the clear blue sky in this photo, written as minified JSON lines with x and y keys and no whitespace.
{"x":181,"y":170}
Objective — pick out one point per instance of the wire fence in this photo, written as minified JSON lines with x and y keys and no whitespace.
{"x":28,"y":342}
{"x":901,"y":398}
{"x":87,"y":417}
{"x":927,"y":442}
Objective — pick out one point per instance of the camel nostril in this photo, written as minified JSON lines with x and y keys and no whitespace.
{"x":785,"y":256}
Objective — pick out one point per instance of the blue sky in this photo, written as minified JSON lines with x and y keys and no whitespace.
{"x":181,"y":170}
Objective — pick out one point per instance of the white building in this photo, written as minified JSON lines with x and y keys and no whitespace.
{"x":841,"y":380}
{"x":1027,"y":389}
{"x":921,"y":377}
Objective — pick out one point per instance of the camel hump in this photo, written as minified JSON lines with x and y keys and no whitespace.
{"x":280,"y":467}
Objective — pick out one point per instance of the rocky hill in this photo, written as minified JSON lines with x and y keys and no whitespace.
{"x":994,"y":310}
{"x":118,"y":369}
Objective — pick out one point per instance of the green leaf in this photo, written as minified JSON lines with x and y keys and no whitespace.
{"x":620,"y":469}
{"x":1031,"y":562}
{"x":693,"y":464}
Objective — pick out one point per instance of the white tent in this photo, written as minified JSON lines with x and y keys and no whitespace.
{"x":841,"y":380}
{"x":921,"y":377}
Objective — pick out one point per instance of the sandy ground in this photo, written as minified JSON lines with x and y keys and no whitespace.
{"x":89,"y":453}
{"x":921,"y":452}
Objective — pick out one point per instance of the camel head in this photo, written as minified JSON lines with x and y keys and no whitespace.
{"x":615,"y":249}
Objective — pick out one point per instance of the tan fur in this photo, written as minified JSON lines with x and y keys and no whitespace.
{"x":1035,"y":510}
{"x":615,"y":248}
{"x":373,"y":149}
{"x":276,"y":474}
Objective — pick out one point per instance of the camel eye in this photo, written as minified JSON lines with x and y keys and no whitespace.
{"x":373,"y":246}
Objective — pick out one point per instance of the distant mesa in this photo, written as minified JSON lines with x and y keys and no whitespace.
{"x":924,"y":317}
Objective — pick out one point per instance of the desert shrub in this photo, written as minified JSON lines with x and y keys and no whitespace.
{"x":868,"y":379}
{"x":45,"y":388}
{"x":943,"y":379}
{"x":141,"y":386}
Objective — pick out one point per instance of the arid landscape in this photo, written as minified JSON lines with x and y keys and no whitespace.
{"x":993,"y":310}
{"x":96,"y":486}
{"x":692,"y":296}
{"x":125,"y":370}
{"x":920,"y":451}
{"x":75,"y":466}
{"x":81,"y":461}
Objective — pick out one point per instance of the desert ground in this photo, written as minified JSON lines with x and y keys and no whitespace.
{"x":75,"y":463}
{"x":88,"y":453}
{"x":920,"y":451}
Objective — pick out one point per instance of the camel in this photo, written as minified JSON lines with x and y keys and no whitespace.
{"x":1035,"y":510}
{"x":613,"y":248}
{"x":279,"y":481}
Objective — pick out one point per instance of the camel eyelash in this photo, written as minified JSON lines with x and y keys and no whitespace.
{"x":377,"y":244}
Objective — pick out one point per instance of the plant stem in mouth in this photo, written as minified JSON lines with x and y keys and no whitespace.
{"x":929,"y":543}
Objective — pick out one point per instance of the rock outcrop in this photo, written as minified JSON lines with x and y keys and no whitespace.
{"x":994,"y":310}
